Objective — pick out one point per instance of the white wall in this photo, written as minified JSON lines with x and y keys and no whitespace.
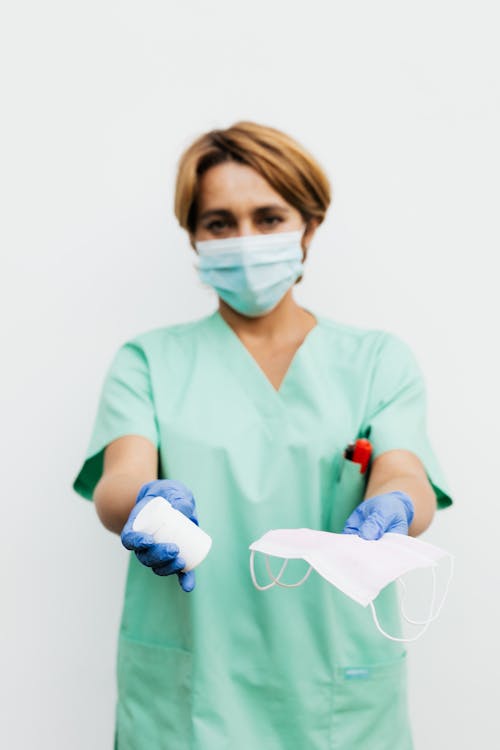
{"x":400,"y":103}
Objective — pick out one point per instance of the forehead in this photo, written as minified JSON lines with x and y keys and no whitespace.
{"x":236,"y":187}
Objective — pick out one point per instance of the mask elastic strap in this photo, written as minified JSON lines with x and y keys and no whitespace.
{"x":432,"y":615}
{"x":254,"y":579}
{"x":427,"y":623}
{"x":275,"y":580}
{"x":438,"y":611}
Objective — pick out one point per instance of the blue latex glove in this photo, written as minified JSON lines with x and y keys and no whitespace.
{"x":392,"y":511}
{"x":162,"y":558}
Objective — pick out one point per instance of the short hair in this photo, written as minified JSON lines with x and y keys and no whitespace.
{"x":290,"y":170}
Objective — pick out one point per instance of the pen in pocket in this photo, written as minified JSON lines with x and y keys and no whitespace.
{"x":360,"y":453}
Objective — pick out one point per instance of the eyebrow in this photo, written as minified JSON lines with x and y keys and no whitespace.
{"x":259,"y":209}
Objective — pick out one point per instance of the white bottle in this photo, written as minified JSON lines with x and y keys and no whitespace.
{"x":166,"y":524}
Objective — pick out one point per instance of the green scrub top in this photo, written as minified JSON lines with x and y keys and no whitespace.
{"x":226,"y":665}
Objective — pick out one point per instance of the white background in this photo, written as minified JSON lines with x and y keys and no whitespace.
{"x":400,"y":103}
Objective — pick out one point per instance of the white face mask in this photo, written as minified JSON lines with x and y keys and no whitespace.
{"x":251,"y":273}
{"x":359,"y":568}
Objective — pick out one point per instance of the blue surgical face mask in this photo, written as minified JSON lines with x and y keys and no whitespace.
{"x":253,"y":272}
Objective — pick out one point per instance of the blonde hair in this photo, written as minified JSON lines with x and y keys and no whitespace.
{"x":285,"y":164}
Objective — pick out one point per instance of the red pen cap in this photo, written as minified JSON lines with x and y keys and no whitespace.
{"x":362,"y":453}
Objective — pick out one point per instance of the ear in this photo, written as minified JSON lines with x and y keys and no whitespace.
{"x":192,"y":241}
{"x":311,"y":227}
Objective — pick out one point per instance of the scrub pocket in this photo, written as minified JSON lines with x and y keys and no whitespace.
{"x":348,"y":492}
{"x":370,"y":708}
{"x":154,"y":697}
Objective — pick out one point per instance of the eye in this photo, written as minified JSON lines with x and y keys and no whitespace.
{"x":216,"y":225}
{"x":270,"y":220}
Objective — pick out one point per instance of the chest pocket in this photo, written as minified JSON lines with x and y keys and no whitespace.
{"x":348,"y":492}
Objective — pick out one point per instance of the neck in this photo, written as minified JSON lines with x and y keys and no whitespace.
{"x":286,"y":319}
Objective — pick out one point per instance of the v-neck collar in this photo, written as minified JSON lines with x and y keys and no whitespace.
{"x":248,"y":365}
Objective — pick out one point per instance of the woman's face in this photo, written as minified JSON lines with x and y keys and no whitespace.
{"x":235,"y":200}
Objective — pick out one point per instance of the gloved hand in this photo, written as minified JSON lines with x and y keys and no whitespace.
{"x":392,"y":511}
{"x":162,"y":558}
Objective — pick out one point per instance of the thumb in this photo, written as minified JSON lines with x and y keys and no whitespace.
{"x":136,"y":540}
{"x":187,"y":580}
{"x":399,"y":526}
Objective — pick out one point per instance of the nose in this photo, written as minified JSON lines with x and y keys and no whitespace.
{"x":246,"y":228}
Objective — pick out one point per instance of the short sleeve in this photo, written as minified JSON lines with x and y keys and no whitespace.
{"x":126,"y":407}
{"x":396,"y":416}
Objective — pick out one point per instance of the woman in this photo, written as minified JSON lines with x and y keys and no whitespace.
{"x":240,"y":420}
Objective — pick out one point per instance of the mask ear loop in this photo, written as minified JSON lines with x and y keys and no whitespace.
{"x":431,"y":617}
{"x":438,"y":611}
{"x":273,"y":582}
{"x":428,"y":622}
{"x":277,"y":579}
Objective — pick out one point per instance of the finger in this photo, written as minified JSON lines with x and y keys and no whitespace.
{"x":172,"y":566}
{"x":136,"y":540}
{"x":353,"y":522}
{"x":181,"y":498}
{"x":187,"y":581}
{"x":372,"y":528}
{"x":177,"y":490}
{"x":157,"y":554}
